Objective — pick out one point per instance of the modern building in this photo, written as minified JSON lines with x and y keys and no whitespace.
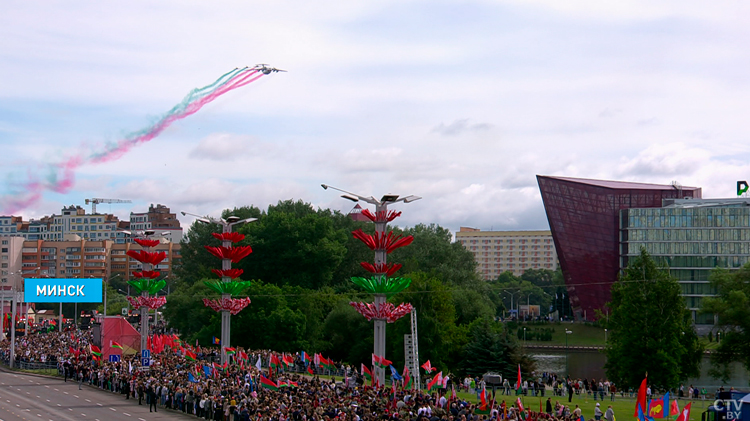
{"x":516,"y":251}
{"x":160,"y":219}
{"x":691,"y":237}
{"x":74,"y":220}
{"x":10,"y":268}
{"x":584,"y":218}
{"x":123,"y":265}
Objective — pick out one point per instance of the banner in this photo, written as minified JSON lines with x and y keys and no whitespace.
{"x":60,"y":290}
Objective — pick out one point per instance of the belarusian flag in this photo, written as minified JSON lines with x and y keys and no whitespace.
{"x":327,"y":363}
{"x":282,"y":383}
{"x":230,"y":351}
{"x":428,"y":368}
{"x":518,"y":383}
{"x":435,"y":383}
{"x":521,"y":411}
{"x":309,"y":370}
{"x":190,"y":355}
{"x":380,"y":361}
{"x":484,"y":407}
{"x":275,"y":363}
{"x":113,"y":344}
{"x":408,"y":381}
{"x":366,"y":373}
{"x":287,"y":360}
{"x":268,"y":384}
{"x":95,"y":350}
{"x":243,"y":355}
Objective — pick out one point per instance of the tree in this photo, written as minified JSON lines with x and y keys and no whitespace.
{"x":651,"y":330}
{"x":492,"y":349}
{"x":732,"y":306}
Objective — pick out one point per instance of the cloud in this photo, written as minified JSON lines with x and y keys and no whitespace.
{"x":672,"y":159}
{"x":460,"y":126}
{"x":226,"y":147}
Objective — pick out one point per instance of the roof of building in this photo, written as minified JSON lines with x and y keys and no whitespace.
{"x":528,"y":233}
{"x":623,"y":185}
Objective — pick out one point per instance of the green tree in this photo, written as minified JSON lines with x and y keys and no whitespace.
{"x":650,"y":328}
{"x":732,"y":306}
{"x":491,"y":349}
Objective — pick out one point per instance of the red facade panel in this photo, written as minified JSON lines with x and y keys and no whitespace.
{"x":583,"y":218}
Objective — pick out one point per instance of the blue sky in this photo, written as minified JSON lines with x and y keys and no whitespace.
{"x":462,"y":103}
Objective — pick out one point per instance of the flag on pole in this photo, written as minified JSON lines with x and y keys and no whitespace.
{"x":267,"y":383}
{"x":518,"y":383}
{"x":380,"y":361}
{"x":190,"y":355}
{"x":408,"y":381}
{"x":192,"y":379}
{"x":428,"y":368}
{"x":641,"y":400}
{"x":304,"y":357}
{"x":674,"y":408}
{"x":685,"y":414}
{"x":366,"y":373}
{"x":257,"y":363}
{"x":394,"y":374}
{"x":230,"y":351}
{"x":309,"y":370}
{"x":484,"y":407}
{"x":521,"y":411}
{"x":113,"y":344}
{"x":95,"y":350}
{"x":435,"y":383}
{"x":275,"y":363}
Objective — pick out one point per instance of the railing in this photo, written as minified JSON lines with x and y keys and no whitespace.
{"x":48,"y":367}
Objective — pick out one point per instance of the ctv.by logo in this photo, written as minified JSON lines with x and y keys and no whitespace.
{"x":732,"y":406}
{"x":742,"y":187}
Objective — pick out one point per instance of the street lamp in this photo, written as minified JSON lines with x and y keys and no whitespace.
{"x":605,"y":336}
{"x":524,"y":337}
{"x":381,"y":208}
{"x":226,"y":265}
{"x":14,"y":304}
{"x":567,"y":332}
{"x":512,"y":294}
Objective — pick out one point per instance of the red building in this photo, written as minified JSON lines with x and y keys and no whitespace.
{"x":583,"y":218}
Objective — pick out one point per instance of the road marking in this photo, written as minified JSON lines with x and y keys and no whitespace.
{"x":87,"y":400}
{"x":38,"y":396}
{"x":75,"y":396}
{"x":59,"y":404}
{"x":112,"y":409}
{"x":99,"y":404}
{"x":39,"y":415}
{"x":57,"y":390}
{"x":141,"y":419}
{"x":66,"y":393}
{"x":126,"y":414}
{"x":47,"y":400}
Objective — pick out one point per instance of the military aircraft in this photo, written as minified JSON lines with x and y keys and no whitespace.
{"x":266,"y":69}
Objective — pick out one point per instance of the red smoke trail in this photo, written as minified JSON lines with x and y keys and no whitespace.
{"x":62,"y":178}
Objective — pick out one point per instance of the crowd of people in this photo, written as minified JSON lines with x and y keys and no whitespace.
{"x":234,"y":392}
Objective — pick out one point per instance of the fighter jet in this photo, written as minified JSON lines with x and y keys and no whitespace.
{"x":267,"y":70}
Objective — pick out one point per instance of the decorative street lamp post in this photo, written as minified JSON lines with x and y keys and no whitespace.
{"x":146,"y":281}
{"x":227,"y":286}
{"x":381,"y":284}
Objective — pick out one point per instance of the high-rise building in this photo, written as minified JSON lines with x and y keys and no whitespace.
{"x":584,"y":217}
{"x":692,"y":237}
{"x":516,"y":251}
{"x":74,"y":220}
{"x":160,"y":219}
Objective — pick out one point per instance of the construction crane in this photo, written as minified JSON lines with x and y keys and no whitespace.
{"x":96,"y":201}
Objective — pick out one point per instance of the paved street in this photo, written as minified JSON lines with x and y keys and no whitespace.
{"x":26,"y":397}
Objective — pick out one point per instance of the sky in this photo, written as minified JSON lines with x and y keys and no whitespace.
{"x":460,"y":102}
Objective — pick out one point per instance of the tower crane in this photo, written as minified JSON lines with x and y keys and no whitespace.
{"x":96,"y":201}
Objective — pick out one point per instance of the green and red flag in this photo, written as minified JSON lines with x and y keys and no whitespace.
{"x":229,"y":350}
{"x":282,"y":383}
{"x":190,"y":355}
{"x":113,"y":344}
{"x":366,"y":373}
{"x":268,"y":384}
{"x":287,"y":360}
{"x":428,"y":368}
{"x":435,"y":383}
{"x":408,"y":381}
{"x":484,"y":406}
{"x":380,"y":361}
{"x":95,"y":350}
{"x":275,"y":363}
{"x":521,"y":411}
{"x":309,"y":370}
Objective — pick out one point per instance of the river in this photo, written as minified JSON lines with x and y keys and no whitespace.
{"x":590,"y":365}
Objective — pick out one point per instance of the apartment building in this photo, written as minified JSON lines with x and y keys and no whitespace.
{"x":516,"y":251}
{"x":160,"y":219}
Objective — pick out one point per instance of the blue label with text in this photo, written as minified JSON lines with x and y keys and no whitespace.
{"x":60,"y":290}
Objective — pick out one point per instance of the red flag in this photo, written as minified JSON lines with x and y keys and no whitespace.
{"x":518,"y":383}
{"x":685,"y":414}
{"x":309,"y":370}
{"x":641,"y":401}
{"x":428,"y":367}
{"x":674,"y":409}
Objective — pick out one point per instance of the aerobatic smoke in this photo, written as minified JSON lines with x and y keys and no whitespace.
{"x":61,"y":177}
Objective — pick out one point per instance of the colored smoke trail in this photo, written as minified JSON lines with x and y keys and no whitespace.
{"x":61,"y":177}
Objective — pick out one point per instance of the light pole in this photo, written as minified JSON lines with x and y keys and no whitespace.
{"x":567,"y":332}
{"x":381,"y":207}
{"x":512,"y":294}
{"x":14,"y":304}
{"x":605,"y":336}
{"x":524,"y":337}
{"x":106,"y":287}
{"x":226,"y":265}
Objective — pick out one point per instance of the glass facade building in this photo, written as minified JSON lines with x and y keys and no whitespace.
{"x":584,"y":217}
{"x":691,"y":237}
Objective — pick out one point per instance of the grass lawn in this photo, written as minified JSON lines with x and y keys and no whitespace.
{"x":623,"y":407}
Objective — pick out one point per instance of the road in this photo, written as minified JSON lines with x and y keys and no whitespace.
{"x":26,"y":397}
